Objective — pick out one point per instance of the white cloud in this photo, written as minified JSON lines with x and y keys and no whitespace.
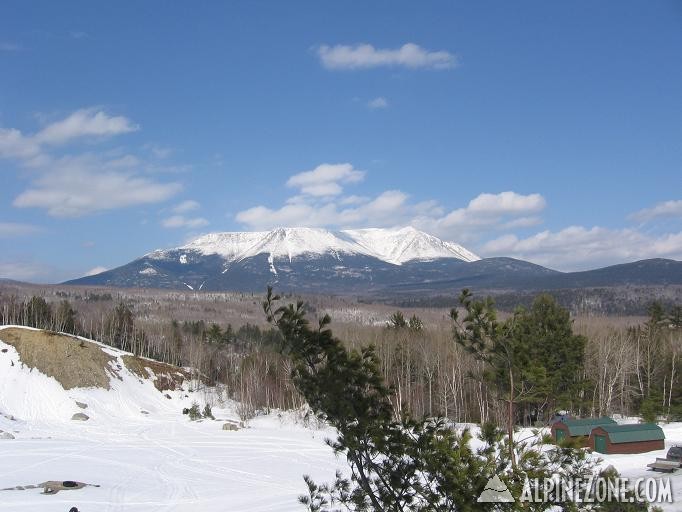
{"x":363,"y":56}
{"x":320,"y":203}
{"x":77,"y":185}
{"x":377,"y":103}
{"x":293,"y":215}
{"x":84,"y":184}
{"x":578,"y":247}
{"x":13,"y":144}
{"x":325,"y":179}
{"x":94,"y":271}
{"x":180,"y":221}
{"x":663,"y":209}
{"x":354,"y":200}
{"x":490,"y":209}
{"x":485,"y":213}
{"x":383,"y":210}
{"x":30,"y":149}
{"x":87,"y":122}
{"x":12,"y":229}
{"x":521,"y":222}
{"x":186,"y":206}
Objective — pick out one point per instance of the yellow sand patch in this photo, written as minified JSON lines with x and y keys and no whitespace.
{"x":72,"y":362}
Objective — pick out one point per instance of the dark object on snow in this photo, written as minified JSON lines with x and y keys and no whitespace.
{"x":54,"y":486}
{"x":73,"y":509}
{"x":675,"y":453}
{"x":664,"y":465}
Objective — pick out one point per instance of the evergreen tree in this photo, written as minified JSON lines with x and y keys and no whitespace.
{"x":38,"y":313}
{"x":534,"y":359}
{"x":397,"y":320}
{"x":549,"y":355}
{"x":396,"y":465}
{"x":214,"y":334}
{"x":492,"y":342}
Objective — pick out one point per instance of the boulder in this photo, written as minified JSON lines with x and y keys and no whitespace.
{"x":230,"y":426}
{"x":79,"y":416}
{"x":82,"y":405}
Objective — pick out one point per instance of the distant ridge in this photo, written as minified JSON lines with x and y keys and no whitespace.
{"x":361,"y":262}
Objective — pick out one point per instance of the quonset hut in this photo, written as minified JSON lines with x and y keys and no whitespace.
{"x":572,"y":428}
{"x":635,"y":438}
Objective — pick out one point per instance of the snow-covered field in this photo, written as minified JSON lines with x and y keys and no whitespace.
{"x":145,"y":455}
{"x":163,"y":464}
{"x":156,"y":460}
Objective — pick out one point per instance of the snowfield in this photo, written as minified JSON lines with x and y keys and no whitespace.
{"x":145,"y":455}
{"x":156,"y":460}
{"x":165,"y":463}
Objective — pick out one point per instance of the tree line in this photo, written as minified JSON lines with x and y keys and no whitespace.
{"x":537,"y":358}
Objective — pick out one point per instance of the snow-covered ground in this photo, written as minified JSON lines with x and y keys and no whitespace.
{"x":145,"y":455}
{"x":164,"y":463}
{"x":156,"y":460}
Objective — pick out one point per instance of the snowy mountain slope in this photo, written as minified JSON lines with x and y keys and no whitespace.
{"x":399,"y":246}
{"x":395,"y":246}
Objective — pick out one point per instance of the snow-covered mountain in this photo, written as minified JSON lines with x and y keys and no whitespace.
{"x":304,"y":259}
{"x":316,"y":260}
{"x":363,"y":262}
{"x":395,"y":246}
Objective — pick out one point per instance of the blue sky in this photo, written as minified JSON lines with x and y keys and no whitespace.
{"x":545,"y":131}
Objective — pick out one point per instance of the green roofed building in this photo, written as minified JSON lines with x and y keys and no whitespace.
{"x":577,"y":428}
{"x":635,"y":438}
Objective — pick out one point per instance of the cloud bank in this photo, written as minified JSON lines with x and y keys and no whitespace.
{"x":79,"y":184}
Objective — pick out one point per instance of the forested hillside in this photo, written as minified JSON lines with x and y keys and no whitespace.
{"x":588,"y":365}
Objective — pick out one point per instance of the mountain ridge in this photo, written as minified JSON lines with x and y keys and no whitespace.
{"x":396,"y":246}
{"x":362,"y":262}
